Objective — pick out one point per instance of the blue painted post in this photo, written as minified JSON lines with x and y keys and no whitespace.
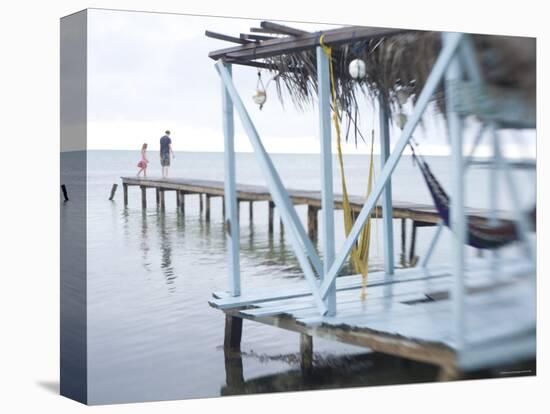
{"x":301,"y":244}
{"x":387,"y":207}
{"x":457,"y":214}
{"x":230,"y":193}
{"x":327,"y":197}
{"x":424,"y":99}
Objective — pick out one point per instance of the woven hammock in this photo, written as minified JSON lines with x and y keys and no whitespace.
{"x":481,"y":233}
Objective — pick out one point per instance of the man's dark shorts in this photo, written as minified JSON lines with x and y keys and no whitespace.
{"x":165,"y":160}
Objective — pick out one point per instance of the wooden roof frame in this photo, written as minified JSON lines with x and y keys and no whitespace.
{"x":289,"y":40}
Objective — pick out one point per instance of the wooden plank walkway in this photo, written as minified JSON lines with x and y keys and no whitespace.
{"x":409,"y":315}
{"x":422,"y":214}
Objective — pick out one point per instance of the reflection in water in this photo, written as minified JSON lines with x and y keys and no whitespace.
{"x":327,"y":372}
{"x":166,"y":252}
{"x":144,"y":245}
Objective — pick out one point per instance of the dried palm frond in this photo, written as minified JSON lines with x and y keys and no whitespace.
{"x":398,"y":66}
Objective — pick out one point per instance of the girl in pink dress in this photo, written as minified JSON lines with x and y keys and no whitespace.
{"x":142,"y":164}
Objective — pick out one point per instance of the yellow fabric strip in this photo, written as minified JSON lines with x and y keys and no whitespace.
{"x":360,"y":252}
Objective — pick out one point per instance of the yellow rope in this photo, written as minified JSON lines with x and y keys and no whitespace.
{"x":360,"y":252}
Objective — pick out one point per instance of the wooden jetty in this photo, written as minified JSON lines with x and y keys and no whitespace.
{"x":421,"y":215}
{"x":407,"y":314}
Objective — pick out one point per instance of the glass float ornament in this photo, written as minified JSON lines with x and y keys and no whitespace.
{"x":357,"y":69}
{"x":259,"y":98}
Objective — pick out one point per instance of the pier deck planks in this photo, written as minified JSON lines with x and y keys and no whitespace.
{"x":398,"y":318}
{"x":248,"y":192}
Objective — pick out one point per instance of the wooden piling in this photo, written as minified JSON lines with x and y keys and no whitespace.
{"x":201,"y":206}
{"x":125,"y":188}
{"x":65,"y":195}
{"x":143,"y":197}
{"x":238,"y":210}
{"x":251,"y":211}
{"x":312,"y":222}
{"x":207,"y":210}
{"x":181,"y":201}
{"x":412,"y":257}
{"x":233,"y":333}
{"x":270,"y":207}
{"x":223,"y":207}
{"x":113,"y":191}
{"x":157,"y":196}
{"x":403,"y":240}
{"x":306,"y":353}
{"x":162,"y":202}
{"x":234,"y":373}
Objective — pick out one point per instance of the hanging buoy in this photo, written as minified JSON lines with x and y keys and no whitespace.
{"x":357,"y":69}
{"x":260,"y":96}
{"x":401,"y":120}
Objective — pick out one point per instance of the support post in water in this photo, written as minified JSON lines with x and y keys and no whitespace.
{"x":157,"y":196}
{"x":162,"y":203}
{"x":312,"y":222}
{"x":125,"y":188}
{"x":412,"y":256}
{"x":207,"y":211}
{"x":201,"y":205}
{"x":113,"y":191}
{"x":182,"y":201}
{"x":306,"y":353}
{"x":233,"y":333}
{"x":251,"y":211}
{"x":64,"y":191}
{"x":403,"y":241}
{"x":143,"y":197}
{"x":270,"y":208}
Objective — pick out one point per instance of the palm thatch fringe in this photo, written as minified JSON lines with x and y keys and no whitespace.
{"x":397,"y":68}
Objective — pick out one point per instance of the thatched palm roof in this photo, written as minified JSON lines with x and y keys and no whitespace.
{"x":398,"y":62}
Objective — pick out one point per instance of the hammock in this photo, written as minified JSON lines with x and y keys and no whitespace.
{"x":481,"y":234}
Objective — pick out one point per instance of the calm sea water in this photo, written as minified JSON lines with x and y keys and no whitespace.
{"x":152,"y":334}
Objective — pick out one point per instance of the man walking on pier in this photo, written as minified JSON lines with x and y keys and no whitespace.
{"x":165,"y":153}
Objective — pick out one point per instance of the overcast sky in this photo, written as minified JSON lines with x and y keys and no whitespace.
{"x":148,"y":72}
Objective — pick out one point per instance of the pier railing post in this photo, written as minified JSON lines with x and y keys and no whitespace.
{"x":327,"y":196}
{"x":230,"y":192}
{"x":387,"y":207}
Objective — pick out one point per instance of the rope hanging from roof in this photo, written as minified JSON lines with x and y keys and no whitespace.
{"x":360,"y":252}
